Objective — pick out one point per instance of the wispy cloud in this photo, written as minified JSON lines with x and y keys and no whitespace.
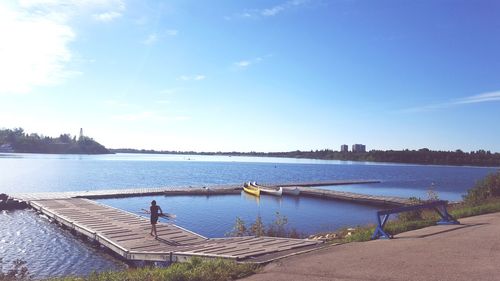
{"x":197,"y":77}
{"x":151,"y":39}
{"x":100,"y":10}
{"x":155,"y":36}
{"x":243,"y":64}
{"x":485,"y":97}
{"x":107,"y":16}
{"x":480,"y":98}
{"x":246,"y":63}
{"x":36,"y":36}
{"x":269,"y":11}
{"x":34,"y":50}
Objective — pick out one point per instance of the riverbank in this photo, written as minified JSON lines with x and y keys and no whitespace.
{"x":469,"y":251}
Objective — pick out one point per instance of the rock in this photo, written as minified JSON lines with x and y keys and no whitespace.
{"x":3,"y":197}
{"x":11,"y":204}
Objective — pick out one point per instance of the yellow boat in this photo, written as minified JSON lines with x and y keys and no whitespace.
{"x":251,"y":189}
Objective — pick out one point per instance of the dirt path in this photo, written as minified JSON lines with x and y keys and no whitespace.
{"x":470,"y":251}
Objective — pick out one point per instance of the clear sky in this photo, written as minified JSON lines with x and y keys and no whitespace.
{"x":254,"y":75}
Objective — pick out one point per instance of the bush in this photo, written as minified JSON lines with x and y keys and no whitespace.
{"x":278,"y":228}
{"x":487,"y":188}
{"x":411,"y":215}
{"x":257,"y":228}
{"x":239,"y":228}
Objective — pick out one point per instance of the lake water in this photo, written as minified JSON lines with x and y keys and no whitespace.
{"x":51,"y":251}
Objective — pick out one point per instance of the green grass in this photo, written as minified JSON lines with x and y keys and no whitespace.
{"x":491,"y":206}
{"x":195,"y":270}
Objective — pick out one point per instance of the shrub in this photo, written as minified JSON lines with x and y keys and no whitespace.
{"x":487,"y":188}
{"x":278,"y":228}
{"x":257,"y":228}
{"x":411,"y":215}
{"x":239,"y":228}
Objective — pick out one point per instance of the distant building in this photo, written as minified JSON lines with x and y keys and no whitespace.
{"x":344,"y":148}
{"x":358,"y":148}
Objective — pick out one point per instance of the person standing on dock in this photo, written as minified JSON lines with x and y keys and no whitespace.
{"x":153,"y":209}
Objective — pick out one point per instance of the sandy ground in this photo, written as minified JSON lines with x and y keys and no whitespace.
{"x":470,"y":251}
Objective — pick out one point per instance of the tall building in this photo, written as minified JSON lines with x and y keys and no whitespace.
{"x":344,"y":148}
{"x":358,"y":148}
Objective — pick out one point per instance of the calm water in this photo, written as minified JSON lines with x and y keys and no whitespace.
{"x":215,"y":216}
{"x":51,"y":251}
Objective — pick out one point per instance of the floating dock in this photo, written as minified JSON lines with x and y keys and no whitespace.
{"x":128,"y":235}
{"x":306,"y":189}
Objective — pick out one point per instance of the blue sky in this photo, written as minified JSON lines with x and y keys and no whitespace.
{"x":254,"y":75}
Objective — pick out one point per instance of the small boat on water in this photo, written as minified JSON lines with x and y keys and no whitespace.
{"x":248,"y":188}
{"x":276,"y":191}
{"x":291,"y":191}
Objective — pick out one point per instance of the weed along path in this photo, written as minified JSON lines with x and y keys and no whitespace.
{"x":470,"y":251}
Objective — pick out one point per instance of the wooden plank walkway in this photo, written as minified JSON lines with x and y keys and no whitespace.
{"x":324,"y":183}
{"x":127,"y":235}
{"x":354,"y":197}
{"x":129,"y":192}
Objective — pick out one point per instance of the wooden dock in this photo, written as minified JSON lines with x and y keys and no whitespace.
{"x":324,"y":183}
{"x":356,"y":198}
{"x":306,"y":189}
{"x":129,"y":192}
{"x":128,"y":235}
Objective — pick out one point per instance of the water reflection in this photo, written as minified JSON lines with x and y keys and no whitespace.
{"x":250,"y":198}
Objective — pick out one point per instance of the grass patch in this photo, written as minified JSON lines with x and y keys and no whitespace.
{"x":196,"y":269}
{"x":464,"y":210}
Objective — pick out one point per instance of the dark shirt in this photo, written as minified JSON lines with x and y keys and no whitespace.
{"x":154,"y":211}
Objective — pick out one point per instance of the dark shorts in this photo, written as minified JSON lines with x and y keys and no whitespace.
{"x":154,"y":220}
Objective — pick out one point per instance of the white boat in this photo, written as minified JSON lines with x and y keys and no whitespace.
{"x":295,"y":191}
{"x":278,"y":191}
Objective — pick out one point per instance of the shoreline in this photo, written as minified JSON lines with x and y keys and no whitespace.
{"x":215,"y":154}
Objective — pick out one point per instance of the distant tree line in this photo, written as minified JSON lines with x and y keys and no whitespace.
{"x":421,"y":156}
{"x":17,"y":140}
